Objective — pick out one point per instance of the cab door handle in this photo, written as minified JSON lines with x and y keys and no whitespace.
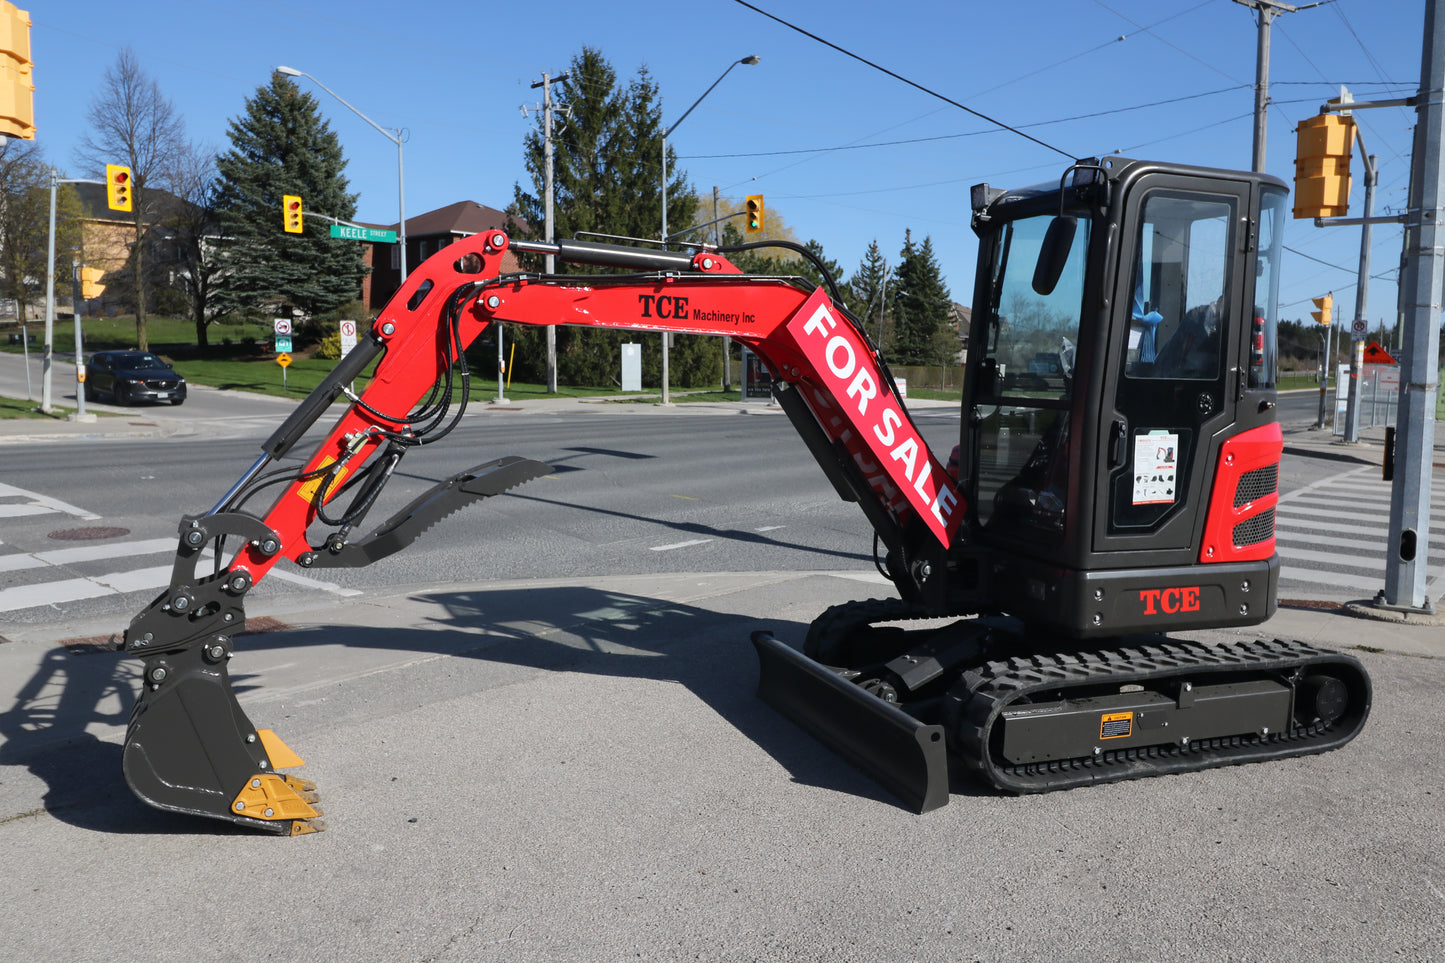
{"x":1118,"y":435}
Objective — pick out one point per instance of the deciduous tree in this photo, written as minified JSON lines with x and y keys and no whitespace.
{"x":25,"y":224}
{"x":133,"y":123}
{"x":193,"y":227}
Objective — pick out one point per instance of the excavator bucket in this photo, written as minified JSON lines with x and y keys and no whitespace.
{"x":190,"y":748}
{"x":907,"y":757}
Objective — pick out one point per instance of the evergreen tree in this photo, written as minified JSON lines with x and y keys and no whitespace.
{"x":805,"y":268}
{"x":921,"y":304}
{"x":607,"y":152}
{"x":282,"y":145}
{"x":868,"y":289}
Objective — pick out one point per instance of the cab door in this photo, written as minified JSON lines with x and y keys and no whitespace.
{"x":1173,"y":371}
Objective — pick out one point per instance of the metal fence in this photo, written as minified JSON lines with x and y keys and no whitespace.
{"x":1379,"y":388}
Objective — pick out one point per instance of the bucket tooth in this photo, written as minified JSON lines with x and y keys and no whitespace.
{"x":269,"y":796}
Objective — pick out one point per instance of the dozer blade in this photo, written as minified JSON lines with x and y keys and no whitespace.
{"x":907,"y":757}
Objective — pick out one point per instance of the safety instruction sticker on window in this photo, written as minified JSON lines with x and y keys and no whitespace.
{"x":1156,"y":457}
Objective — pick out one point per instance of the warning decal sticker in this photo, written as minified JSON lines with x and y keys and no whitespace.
{"x":1156,"y":458}
{"x":1116,"y":725}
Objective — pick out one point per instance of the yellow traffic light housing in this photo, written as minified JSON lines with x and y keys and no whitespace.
{"x":1326,"y":305}
{"x":753,"y":222}
{"x":119,"y":195}
{"x":1322,"y":166}
{"x":17,"y":92}
{"x":291,"y":213}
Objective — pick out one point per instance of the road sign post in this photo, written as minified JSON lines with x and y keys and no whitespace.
{"x":284,"y":360}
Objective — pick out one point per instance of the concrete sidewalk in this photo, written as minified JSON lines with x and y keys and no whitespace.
{"x":545,"y":770}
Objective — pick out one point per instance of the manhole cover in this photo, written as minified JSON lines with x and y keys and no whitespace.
{"x":84,"y":534}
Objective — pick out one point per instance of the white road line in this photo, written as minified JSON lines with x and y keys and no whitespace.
{"x":1334,"y":558}
{"x":1378,"y":531}
{"x":16,"y":510}
{"x":1350,"y":580}
{"x":75,"y":589}
{"x":295,"y":579}
{"x":54,"y":504}
{"x":151,"y":578}
{"x":668,"y":548}
{"x":84,"y":553}
{"x":769,"y":528}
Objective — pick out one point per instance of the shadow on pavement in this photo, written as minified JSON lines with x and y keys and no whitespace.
{"x":514,"y":631}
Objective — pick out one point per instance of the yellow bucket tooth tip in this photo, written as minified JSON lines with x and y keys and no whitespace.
{"x":277,"y":752}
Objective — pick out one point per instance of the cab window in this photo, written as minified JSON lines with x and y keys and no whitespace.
{"x":1180,"y":281}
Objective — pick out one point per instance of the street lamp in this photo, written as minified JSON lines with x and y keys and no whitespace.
{"x":395,"y":138}
{"x":665,"y":135}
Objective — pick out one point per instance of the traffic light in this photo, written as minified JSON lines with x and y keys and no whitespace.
{"x":1326,"y":307}
{"x":291,"y":213}
{"x":118,"y":195}
{"x":1322,"y":166}
{"x":17,"y":92}
{"x":754,"y":220}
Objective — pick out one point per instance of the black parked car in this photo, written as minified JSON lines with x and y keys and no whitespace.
{"x":127,"y":377}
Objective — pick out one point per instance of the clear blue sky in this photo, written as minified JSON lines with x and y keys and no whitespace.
{"x":844,"y":152}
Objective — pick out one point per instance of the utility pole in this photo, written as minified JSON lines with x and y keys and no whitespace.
{"x":45,"y":393}
{"x":727,"y":341}
{"x":1362,"y":295}
{"x":1422,"y":293}
{"x":547,"y":107}
{"x":1266,"y":11}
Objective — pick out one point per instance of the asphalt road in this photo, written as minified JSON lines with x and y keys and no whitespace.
{"x":536,"y":738}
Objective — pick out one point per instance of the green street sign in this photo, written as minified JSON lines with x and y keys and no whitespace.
{"x":348,"y":233}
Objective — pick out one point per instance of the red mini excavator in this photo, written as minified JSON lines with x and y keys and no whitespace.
{"x":1117,"y":476}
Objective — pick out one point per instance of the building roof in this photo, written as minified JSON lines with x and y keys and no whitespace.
{"x":464,"y":218}
{"x":94,"y":206}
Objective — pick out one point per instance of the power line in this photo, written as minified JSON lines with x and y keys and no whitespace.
{"x":900,"y":77}
{"x":969,"y":133}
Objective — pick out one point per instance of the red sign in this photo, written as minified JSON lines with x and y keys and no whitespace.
{"x":878,"y":432}
{"x":1374,"y":354}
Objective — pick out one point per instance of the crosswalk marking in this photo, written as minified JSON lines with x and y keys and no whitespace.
{"x":41,"y":503}
{"x":84,"y":553}
{"x":147,"y":578}
{"x":1343,"y":521}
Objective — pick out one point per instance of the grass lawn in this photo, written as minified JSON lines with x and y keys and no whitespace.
{"x":19,"y":408}
{"x":109,"y":334}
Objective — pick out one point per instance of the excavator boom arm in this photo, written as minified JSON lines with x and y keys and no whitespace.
{"x":190,"y":747}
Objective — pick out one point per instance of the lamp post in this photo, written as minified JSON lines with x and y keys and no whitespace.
{"x":749,"y":60}
{"x":395,"y":138}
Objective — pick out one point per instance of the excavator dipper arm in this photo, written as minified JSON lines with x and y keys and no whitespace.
{"x":191,"y":748}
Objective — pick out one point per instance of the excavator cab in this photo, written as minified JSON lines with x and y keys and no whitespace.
{"x":1120,"y":379}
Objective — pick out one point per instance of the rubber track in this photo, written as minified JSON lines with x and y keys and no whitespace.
{"x":976,"y":703}
{"x":829,"y":633}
